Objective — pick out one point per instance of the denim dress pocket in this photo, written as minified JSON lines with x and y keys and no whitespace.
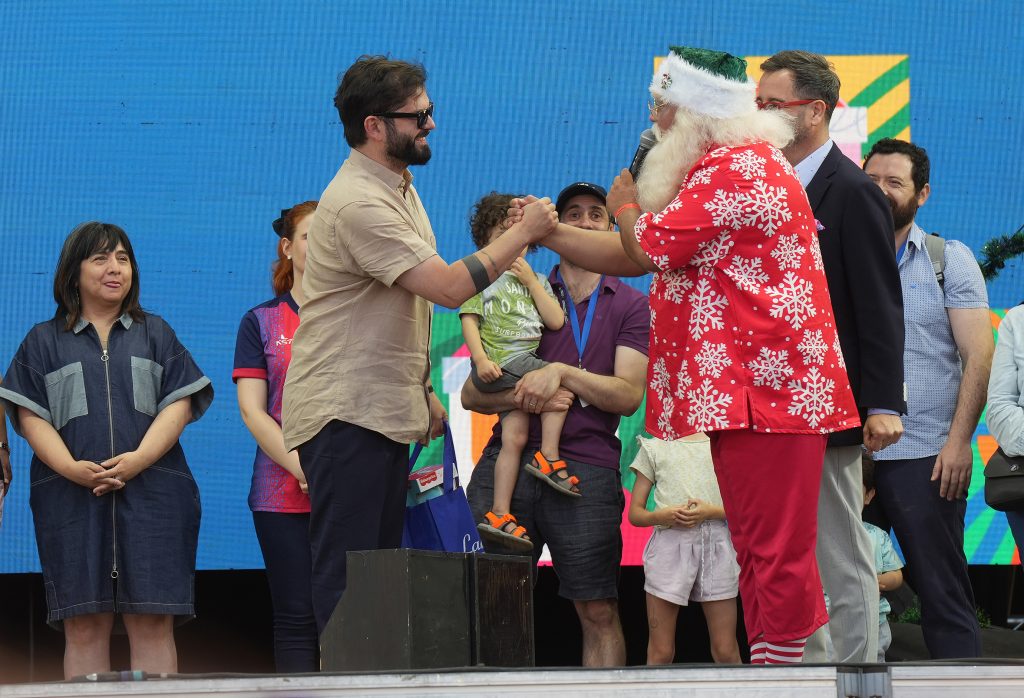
{"x":65,"y":393}
{"x":146,"y":379}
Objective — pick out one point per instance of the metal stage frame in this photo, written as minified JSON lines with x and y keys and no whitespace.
{"x":919,"y":680}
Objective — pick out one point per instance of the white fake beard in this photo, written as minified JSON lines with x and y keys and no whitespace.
{"x":670,"y":160}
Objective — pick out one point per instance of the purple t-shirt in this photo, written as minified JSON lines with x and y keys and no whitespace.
{"x":622,"y":318}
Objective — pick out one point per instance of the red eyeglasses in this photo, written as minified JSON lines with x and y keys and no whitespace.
{"x":784,"y":105}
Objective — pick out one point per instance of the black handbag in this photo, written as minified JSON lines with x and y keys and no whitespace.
{"x":1004,"y":482}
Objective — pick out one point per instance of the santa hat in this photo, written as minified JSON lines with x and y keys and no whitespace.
{"x":705,"y":81}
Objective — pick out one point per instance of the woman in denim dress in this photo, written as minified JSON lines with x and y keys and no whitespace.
{"x":102,"y":392}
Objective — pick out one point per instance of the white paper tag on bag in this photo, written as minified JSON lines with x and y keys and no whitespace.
{"x":427,"y":478}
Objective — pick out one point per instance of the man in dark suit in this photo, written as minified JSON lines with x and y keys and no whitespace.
{"x":856,"y":238}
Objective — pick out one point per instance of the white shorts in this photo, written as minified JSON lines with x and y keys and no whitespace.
{"x":691,"y":564}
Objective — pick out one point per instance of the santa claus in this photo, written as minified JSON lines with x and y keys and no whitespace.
{"x":743,"y":340}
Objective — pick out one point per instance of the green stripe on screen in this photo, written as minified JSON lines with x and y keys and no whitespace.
{"x":975,"y":532}
{"x":882,"y":84}
{"x":899,"y":121}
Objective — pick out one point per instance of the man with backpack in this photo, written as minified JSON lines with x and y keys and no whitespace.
{"x":922,"y":480}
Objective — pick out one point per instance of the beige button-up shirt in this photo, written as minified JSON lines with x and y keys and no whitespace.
{"x":361,"y":351}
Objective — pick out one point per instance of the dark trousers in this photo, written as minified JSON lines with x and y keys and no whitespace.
{"x":357,"y":484}
{"x":284,"y":540}
{"x":930,"y":531}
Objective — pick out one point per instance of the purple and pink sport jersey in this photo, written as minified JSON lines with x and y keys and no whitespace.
{"x":263,"y":350}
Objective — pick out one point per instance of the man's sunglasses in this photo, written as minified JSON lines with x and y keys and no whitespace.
{"x":421,"y":116}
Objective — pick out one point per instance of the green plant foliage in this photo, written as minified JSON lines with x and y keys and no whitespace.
{"x":997,"y":251}
{"x":912,"y":614}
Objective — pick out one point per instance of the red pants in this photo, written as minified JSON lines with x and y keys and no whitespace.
{"x":769,"y":485}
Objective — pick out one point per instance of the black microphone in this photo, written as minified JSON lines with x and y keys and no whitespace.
{"x":647,"y":141}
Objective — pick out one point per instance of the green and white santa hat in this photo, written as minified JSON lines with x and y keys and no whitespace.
{"x":705,"y":81}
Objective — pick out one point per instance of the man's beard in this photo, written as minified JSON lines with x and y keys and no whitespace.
{"x":903,"y":215}
{"x":402,"y":148}
{"x":669,"y":161}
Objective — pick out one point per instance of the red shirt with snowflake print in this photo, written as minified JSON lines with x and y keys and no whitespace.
{"x":742,"y":332}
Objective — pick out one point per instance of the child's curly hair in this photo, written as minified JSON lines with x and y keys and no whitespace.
{"x":488,"y":212}
{"x":868,"y":471}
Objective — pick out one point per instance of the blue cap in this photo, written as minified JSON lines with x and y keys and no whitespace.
{"x":577,"y":189}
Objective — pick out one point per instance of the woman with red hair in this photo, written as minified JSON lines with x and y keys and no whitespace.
{"x":277,"y":497}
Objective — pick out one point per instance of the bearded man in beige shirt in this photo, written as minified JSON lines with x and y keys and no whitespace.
{"x":358,"y":388}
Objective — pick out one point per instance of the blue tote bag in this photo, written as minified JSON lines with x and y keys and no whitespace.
{"x":440,"y":519}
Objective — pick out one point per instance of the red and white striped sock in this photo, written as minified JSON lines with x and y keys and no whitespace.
{"x":782,"y":652}
{"x":758,"y":651}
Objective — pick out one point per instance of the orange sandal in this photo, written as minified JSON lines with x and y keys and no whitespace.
{"x":505,"y":530}
{"x":554,"y":474}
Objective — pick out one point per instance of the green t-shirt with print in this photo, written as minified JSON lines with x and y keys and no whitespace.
{"x":510,"y":325}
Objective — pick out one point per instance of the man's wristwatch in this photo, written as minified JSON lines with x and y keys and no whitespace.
{"x":5,"y":446}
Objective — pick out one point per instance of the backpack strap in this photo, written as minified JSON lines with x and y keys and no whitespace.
{"x":936,"y":248}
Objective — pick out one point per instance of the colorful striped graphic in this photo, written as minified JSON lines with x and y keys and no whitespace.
{"x":987,"y":539}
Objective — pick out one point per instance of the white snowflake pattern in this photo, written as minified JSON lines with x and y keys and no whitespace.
{"x":749,"y":164}
{"x":747,"y":273}
{"x":770,"y":368}
{"x":819,"y":264}
{"x":812,"y":348}
{"x":778,"y":157}
{"x":711,"y":252}
{"x":838,"y":349}
{"x":676,"y":285}
{"x":675,"y":204}
{"x":660,"y":378}
{"x":712,"y":360}
{"x":701,"y":176}
{"x":668,"y":408}
{"x":765,"y":208}
{"x":660,"y":260}
{"x":812,"y":397}
{"x":684,"y":380}
{"x":707,"y":407}
{"x":788,"y":252}
{"x":717,"y":152}
{"x":641,"y":227}
{"x":706,"y":310}
{"x":727,"y":209}
{"x":792,"y":301}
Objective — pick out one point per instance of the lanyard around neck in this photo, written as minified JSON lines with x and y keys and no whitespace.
{"x":578,"y":335}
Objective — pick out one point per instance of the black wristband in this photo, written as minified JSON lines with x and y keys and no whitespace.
{"x":477,"y":272}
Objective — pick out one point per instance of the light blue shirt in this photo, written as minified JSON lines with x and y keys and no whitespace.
{"x":809,"y":166}
{"x":1005,"y":416}
{"x":931,"y":361}
{"x":886,"y":560}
